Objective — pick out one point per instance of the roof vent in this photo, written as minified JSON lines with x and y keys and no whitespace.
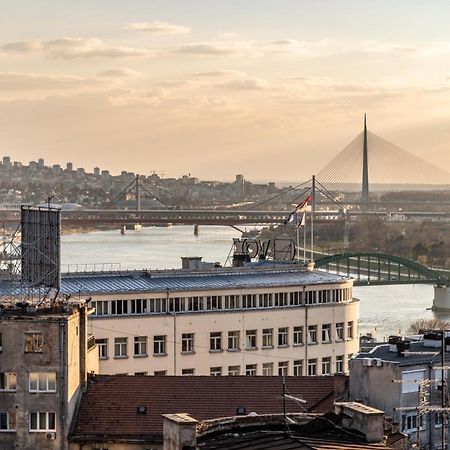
{"x":142,"y":409}
{"x":241,"y":411}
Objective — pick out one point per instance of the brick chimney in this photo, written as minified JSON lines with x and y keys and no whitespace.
{"x":365,"y":419}
{"x":179,"y":432}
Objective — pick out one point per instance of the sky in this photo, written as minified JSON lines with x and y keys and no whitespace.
{"x":212,"y":88}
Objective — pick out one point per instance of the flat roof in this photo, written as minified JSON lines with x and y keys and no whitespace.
{"x":179,"y":281}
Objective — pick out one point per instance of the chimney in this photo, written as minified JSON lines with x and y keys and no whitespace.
{"x":191,"y":262}
{"x":179,"y":432}
{"x":365,"y":419}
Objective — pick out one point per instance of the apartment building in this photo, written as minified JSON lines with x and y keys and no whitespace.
{"x":264,"y":320}
{"x":45,"y":355}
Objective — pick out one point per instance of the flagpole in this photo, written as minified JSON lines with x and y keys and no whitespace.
{"x":313,"y":210}
{"x":304,"y":240}
{"x":298,"y":241}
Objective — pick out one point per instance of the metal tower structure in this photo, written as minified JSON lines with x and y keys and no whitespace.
{"x":365,"y":172}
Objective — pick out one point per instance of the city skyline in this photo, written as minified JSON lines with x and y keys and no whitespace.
{"x":215,"y":89}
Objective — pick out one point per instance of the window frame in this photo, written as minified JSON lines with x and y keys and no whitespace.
{"x":38,"y":382}
{"x":47,"y":429}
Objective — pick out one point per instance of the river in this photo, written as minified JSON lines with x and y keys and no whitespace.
{"x":384,"y":310}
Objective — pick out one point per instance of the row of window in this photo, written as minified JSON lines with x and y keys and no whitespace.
{"x":271,"y":369}
{"x":34,"y":342}
{"x":270,"y":338}
{"x":410,"y":421}
{"x":219,"y":302}
{"x":38,"y":421}
{"x":37,"y":382}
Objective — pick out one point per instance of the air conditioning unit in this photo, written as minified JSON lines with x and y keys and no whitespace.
{"x":377,"y":362}
{"x":51,"y":436}
{"x":367,"y":362}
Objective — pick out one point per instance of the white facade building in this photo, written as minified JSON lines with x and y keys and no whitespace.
{"x":265,"y":320}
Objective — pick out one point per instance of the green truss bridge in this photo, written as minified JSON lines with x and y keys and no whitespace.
{"x":380,"y":269}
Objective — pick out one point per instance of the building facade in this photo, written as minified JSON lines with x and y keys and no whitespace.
{"x":240,"y":321}
{"x":400,"y":376}
{"x":45,"y":355}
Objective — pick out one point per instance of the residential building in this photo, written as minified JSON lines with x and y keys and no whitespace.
{"x":45,"y":356}
{"x":390,"y":376}
{"x":125,"y":412}
{"x":270,"y":319}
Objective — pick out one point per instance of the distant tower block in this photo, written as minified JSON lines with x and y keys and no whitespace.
{"x":365,"y":173}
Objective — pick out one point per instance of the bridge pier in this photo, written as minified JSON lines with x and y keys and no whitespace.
{"x":441,"y":301}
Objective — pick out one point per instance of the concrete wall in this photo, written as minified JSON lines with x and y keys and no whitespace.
{"x":203,"y":323}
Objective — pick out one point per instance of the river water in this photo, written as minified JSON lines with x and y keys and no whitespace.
{"x":384,"y":310}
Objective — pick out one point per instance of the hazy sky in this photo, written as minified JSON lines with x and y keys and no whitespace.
{"x":272,"y":89}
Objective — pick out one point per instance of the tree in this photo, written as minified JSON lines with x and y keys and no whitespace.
{"x":420,"y":325}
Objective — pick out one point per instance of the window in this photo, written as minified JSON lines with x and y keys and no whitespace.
{"x":231,"y":301}
{"x":159,"y":345}
{"x":326,"y":366}
{"x":296,"y":298}
{"x":119,"y":307}
{"x":350,"y":330}
{"x":215,"y":342}
{"x":233,"y":340}
{"x":139,"y":306}
{"x":7,"y":421}
{"x":437,"y":420}
{"x":8,"y":381}
{"x":234,"y":370}
{"x":187,"y":342}
{"x":267,"y":369}
{"x":310,"y":297}
{"x":33,"y":342}
{"x":213,"y":302}
{"x":42,"y":381}
{"x":249,"y":301}
{"x":312,"y":334}
{"x":410,"y":422}
{"x":120,"y":347}
{"x":189,"y":372}
{"x":298,"y":368}
{"x":42,"y":421}
{"x":340,"y":331}
{"x":160,"y":373}
{"x":283,"y":337}
{"x":101,"y":307}
{"x":250,"y":340}
{"x":215,"y":371}
{"x":176,"y":304}
{"x":250,"y":370}
{"x":102,"y":345}
{"x":158,"y":305}
{"x":298,"y":335}
{"x":283,"y":368}
{"x":140,"y":346}
{"x":312,"y":367}
{"x":326,"y":332}
{"x":267,"y":338}
{"x":281,"y":299}
{"x":340,"y":364}
{"x":194,"y":304}
{"x":265,"y":300}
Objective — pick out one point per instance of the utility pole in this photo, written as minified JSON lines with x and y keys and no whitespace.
{"x":443,"y":391}
{"x":313,"y":210}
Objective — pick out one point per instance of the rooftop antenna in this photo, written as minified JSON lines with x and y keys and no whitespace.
{"x":365,"y":174}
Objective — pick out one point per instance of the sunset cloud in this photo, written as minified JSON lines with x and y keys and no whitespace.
{"x":157,"y":27}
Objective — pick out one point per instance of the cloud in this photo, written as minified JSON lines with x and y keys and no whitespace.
{"x":120,"y":73}
{"x":217,"y":73}
{"x":419,"y":49}
{"x":74,"y":47}
{"x":245,"y":84}
{"x":157,"y":27}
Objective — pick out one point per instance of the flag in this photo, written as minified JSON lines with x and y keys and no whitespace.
{"x":301,"y":207}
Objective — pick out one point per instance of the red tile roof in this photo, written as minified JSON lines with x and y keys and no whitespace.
{"x":109,"y":405}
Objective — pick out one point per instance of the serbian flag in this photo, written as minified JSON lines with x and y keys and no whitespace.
{"x":300,"y":208}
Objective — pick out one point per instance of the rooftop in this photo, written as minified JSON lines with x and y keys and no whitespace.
{"x":111,"y":400}
{"x":89,"y":283}
{"x":418,"y":354}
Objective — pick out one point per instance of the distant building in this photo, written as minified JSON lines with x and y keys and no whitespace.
{"x":388,"y":377}
{"x":69,"y":167}
{"x":41,"y":162}
{"x":267,"y":320}
{"x":97,"y":171}
{"x":6,"y":162}
{"x":45,"y":356}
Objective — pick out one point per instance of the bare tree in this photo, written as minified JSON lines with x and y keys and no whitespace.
{"x":420,"y":325}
